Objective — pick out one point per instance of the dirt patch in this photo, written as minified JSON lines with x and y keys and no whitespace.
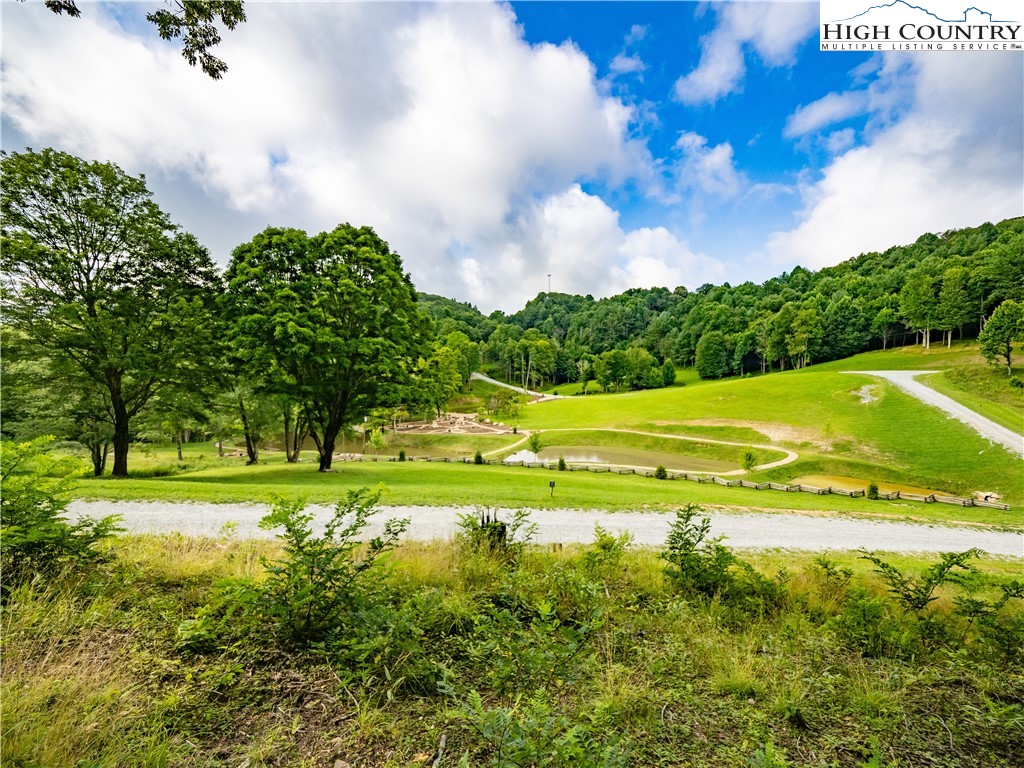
{"x":776,"y":433}
{"x":454,"y":424}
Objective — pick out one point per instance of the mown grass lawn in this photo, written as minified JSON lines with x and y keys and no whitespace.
{"x":430,"y":483}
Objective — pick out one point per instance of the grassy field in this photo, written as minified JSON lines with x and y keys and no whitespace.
{"x":424,"y":483}
{"x":173,"y":654}
{"x":817,"y":412}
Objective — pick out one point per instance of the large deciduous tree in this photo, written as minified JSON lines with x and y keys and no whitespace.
{"x":333,"y":318}
{"x":102,"y":284}
{"x":1002,"y":329}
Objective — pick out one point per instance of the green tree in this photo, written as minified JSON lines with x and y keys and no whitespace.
{"x":439,"y":378}
{"x":954,"y":302}
{"x":1002,"y":329}
{"x":668,"y":374}
{"x":334,"y":314}
{"x":886,"y":321}
{"x":103,"y":285}
{"x":919,"y":305}
{"x":713,"y":356}
{"x":194,"y":21}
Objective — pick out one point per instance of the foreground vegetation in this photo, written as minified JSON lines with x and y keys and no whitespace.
{"x":323,"y":648}
{"x":195,"y":652}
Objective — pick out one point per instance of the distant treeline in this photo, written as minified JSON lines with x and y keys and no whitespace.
{"x":938,"y":288}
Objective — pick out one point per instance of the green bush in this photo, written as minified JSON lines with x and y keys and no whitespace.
{"x":660,"y":473}
{"x":482,"y":531}
{"x":872,"y":490}
{"x":561,"y":464}
{"x":535,"y":443}
{"x":531,"y":733}
{"x":308,"y":593}
{"x":35,"y":539}
{"x":697,"y":564}
{"x":401,"y":454}
{"x":1016,"y":382}
{"x":478,"y":458}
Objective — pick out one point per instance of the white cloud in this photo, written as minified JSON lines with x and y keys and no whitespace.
{"x":578,"y":239}
{"x":953,"y":159}
{"x":636,"y":33}
{"x":772,"y":30}
{"x":625,"y":65}
{"x":833,"y":108}
{"x":840,"y":141}
{"x":707,"y":169}
{"x":436,"y":124}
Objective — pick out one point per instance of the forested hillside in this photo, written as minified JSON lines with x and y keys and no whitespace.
{"x":939,"y":288}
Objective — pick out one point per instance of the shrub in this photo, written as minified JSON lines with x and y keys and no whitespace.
{"x":749,"y":459}
{"x":660,"y":473}
{"x":401,"y":454}
{"x":914,"y":594}
{"x":307,"y":593}
{"x":1016,"y":382}
{"x":478,"y":458}
{"x":531,"y":733}
{"x":872,"y":490}
{"x":482,"y":531}
{"x":561,"y":464}
{"x":607,"y":550}
{"x":34,"y":537}
{"x":697,"y":563}
{"x":535,"y":443}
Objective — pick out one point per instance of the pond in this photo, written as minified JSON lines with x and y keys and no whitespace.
{"x":627,"y":457}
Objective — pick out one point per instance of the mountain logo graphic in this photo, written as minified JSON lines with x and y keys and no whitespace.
{"x":905,"y":6}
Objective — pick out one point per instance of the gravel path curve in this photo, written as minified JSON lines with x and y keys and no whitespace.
{"x":906,"y":380}
{"x":754,"y":531}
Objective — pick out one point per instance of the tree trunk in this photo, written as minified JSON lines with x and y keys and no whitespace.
{"x":120,"y":439}
{"x":293,"y":439}
{"x":326,"y":447}
{"x":220,"y":448}
{"x":252,"y":447}
{"x":180,"y":458}
{"x":98,"y":452}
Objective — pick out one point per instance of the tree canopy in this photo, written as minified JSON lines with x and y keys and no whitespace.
{"x":333,"y":315}
{"x":102,"y":286}
{"x":193,"y":21}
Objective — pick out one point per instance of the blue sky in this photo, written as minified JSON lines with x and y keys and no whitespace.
{"x":611,"y":144}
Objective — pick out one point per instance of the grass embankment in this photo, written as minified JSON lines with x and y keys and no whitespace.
{"x":424,"y":483}
{"x":817,"y":413}
{"x":583,"y":657}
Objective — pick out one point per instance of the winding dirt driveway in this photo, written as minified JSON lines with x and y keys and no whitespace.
{"x":747,"y":530}
{"x":907,"y":381}
{"x":790,"y":456}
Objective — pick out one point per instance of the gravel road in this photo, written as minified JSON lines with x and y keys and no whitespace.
{"x":753,"y":531}
{"x":906,"y":380}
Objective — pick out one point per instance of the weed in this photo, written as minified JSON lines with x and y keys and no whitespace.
{"x":916,"y":594}
{"x":35,"y":539}
{"x":697,"y":563}
{"x":307,"y":593}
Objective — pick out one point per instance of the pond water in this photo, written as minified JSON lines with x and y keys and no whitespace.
{"x":628,"y":457}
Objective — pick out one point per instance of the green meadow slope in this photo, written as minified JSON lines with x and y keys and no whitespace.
{"x":839,"y":424}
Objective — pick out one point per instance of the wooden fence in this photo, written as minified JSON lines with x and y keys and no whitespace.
{"x":700,"y":478}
